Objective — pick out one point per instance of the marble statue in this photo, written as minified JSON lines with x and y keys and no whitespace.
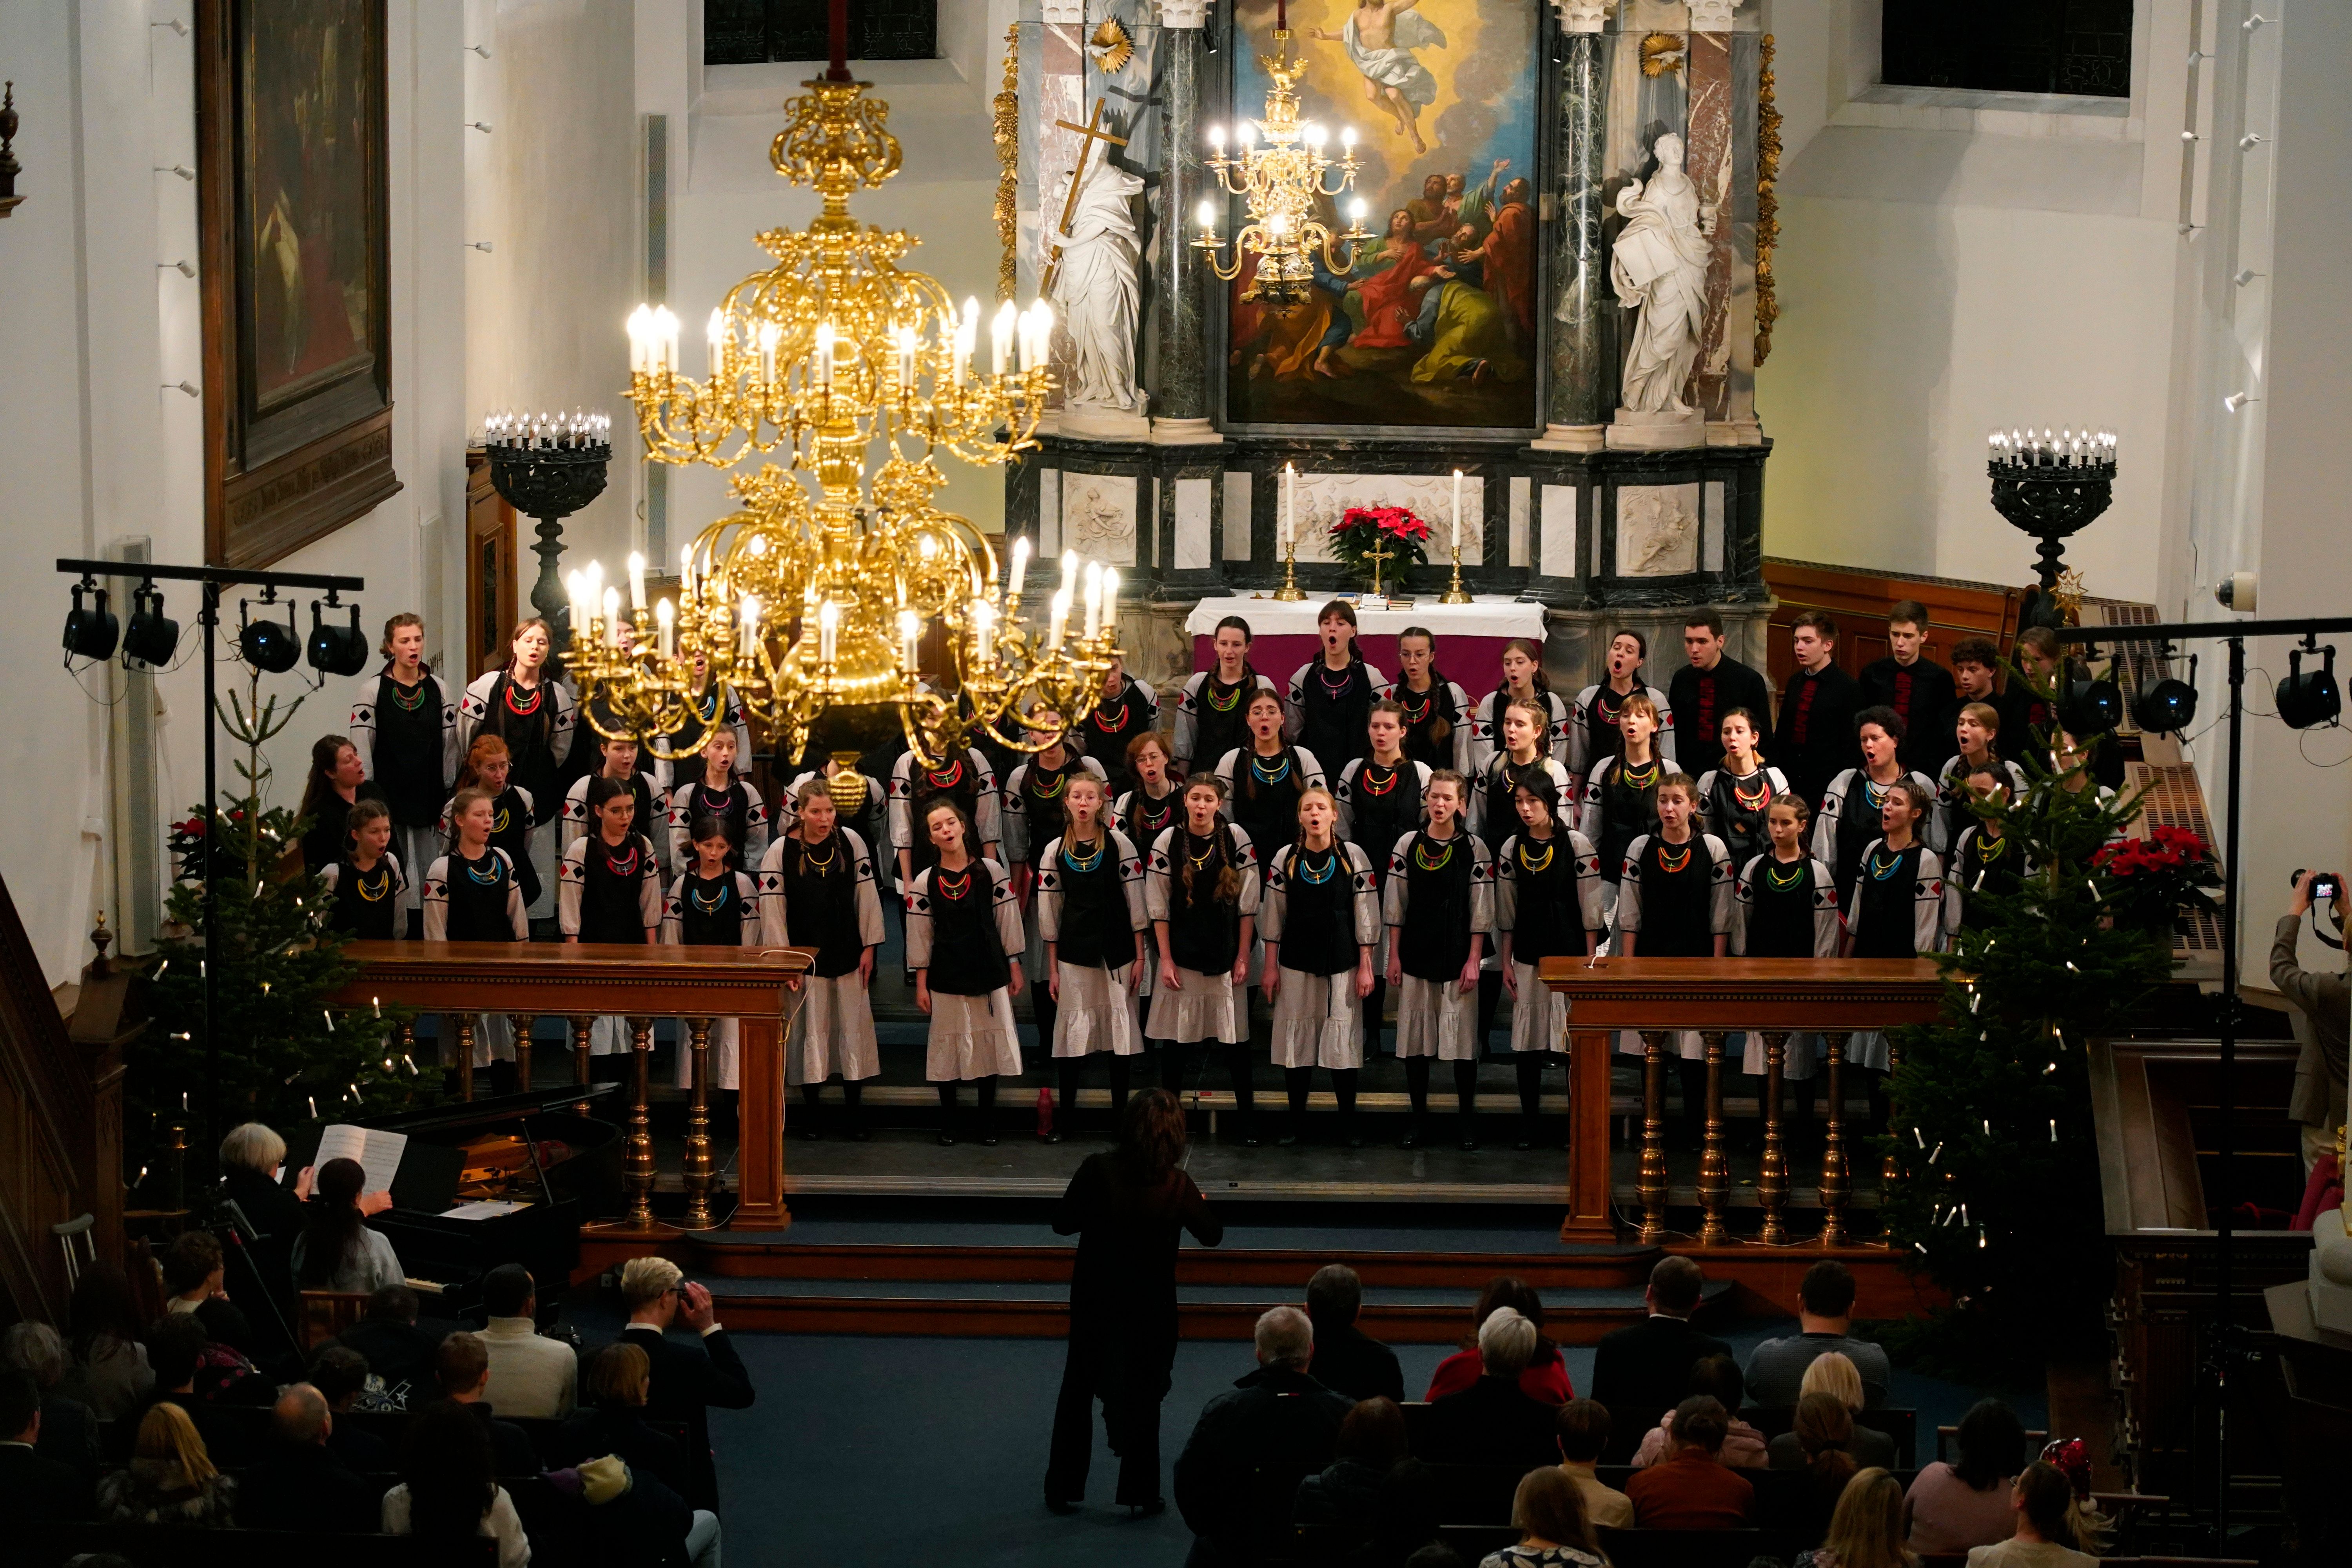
{"x":1098,"y":292}
{"x":1659,"y":266}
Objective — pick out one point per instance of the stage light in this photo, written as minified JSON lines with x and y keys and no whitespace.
{"x":89,"y":632}
{"x":336,"y":651}
{"x":2089,"y":708}
{"x":151,"y":638}
{"x":270,"y":646}
{"x":2306,"y":699}
{"x":2169,"y":706}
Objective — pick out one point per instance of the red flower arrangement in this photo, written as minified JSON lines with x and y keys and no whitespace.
{"x":1392,"y":529}
{"x":2159,"y":877}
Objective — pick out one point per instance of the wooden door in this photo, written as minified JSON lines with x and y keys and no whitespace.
{"x":491,"y":569}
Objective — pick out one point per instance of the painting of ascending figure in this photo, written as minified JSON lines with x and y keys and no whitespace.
{"x":1431,"y":321}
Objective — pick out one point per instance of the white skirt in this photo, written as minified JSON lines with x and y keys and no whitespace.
{"x":493,"y":1040}
{"x":1202,"y":1007}
{"x":1684,"y":1043}
{"x":834,"y":1030}
{"x":1801,"y":1061}
{"x":418,"y":848}
{"x":1319,"y":1021}
{"x":610,"y":1036}
{"x":544,"y":854}
{"x":1539,"y":1014}
{"x":971,"y":1037}
{"x":1097,"y":1014}
{"x":724,"y":1039}
{"x":1437,"y":1018}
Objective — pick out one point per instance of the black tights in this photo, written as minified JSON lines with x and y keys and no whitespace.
{"x":1465,"y":1088}
{"x":1530,"y":1068}
{"x":1072,"y":1070}
{"x":1173,"y":1057}
{"x":1298,"y":1081}
{"x":987,"y":1113}
{"x":1490,"y":1000}
{"x":853,"y":1114}
{"x":1374,"y":1004}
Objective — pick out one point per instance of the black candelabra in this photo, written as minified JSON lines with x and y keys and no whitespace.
{"x":2051,"y":487}
{"x":547,"y":467}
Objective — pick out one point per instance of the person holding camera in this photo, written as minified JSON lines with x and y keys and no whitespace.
{"x":2322,"y":1005}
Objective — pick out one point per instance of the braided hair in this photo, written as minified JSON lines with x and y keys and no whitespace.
{"x":1298,"y":776}
{"x":1443,"y":717}
{"x":1228,"y":889}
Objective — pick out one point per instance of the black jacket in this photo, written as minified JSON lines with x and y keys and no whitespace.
{"x":1929,"y":706}
{"x":360,"y":1449}
{"x":510,"y":1446}
{"x":70,"y":1436}
{"x":1492,"y":1422}
{"x":1736,"y":686}
{"x":688,"y":1377}
{"x":36,"y":1492}
{"x":1826,"y":724}
{"x":277,"y":1215}
{"x":619,"y":1429}
{"x":1273,"y":1417}
{"x":645,"y":1527}
{"x":1349,"y":1360}
{"x":1643,"y":1368}
{"x":308,"y":1489}
{"x":399,"y":1355}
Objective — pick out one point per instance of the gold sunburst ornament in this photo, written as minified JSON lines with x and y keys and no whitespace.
{"x":1663,"y":54}
{"x":1113,"y":49}
{"x":2069,"y":595}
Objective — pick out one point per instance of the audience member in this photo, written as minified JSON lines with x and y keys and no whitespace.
{"x":35,"y":1491}
{"x":1835,"y":1376}
{"x":531,"y":1378}
{"x":1583,"y":1429}
{"x":462,"y":1368}
{"x":185,"y":1373}
{"x":1347,"y":1359}
{"x":1545,"y":1378}
{"x":1373,"y":1494}
{"x":1495,"y":1421}
{"x":1865,"y":1530}
{"x":448,"y":1489}
{"x":1646,"y":1366}
{"x":301,"y":1484}
{"x":635,"y":1520}
{"x":688,"y":1379}
{"x":1277,"y":1414}
{"x":1776,"y":1368}
{"x":1820,"y":1443}
{"x":250,"y":1156}
{"x":619,"y":1377}
{"x":2039,"y":1498}
{"x":171,"y":1478}
{"x":1548,"y":1510}
{"x":194,"y":1270}
{"x":1743,"y":1445}
{"x":1954,"y":1507}
{"x":337,"y":1250}
{"x":339,"y":1374}
{"x":1693,"y":1488}
{"x":111,"y":1374}
{"x":68,"y":1430}
{"x":399,"y":1353}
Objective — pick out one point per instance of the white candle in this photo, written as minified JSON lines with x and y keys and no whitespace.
{"x":665,"y":620}
{"x":828,"y":636}
{"x":636,"y":582}
{"x":717,"y":333}
{"x":1061,"y":618}
{"x":1458,"y":515}
{"x":1110,"y":598}
{"x":1290,"y":504}
{"x":771,"y":334}
{"x":1000,"y":337}
{"x":748,"y":626}
{"x":907,"y":359}
{"x":1094,"y":601}
{"x":1069,"y":574}
{"x":910,"y":640}
{"x":1207,"y":214}
{"x":666,"y":326}
{"x":983,"y":629}
{"x":824,"y":341}
{"x":641,"y":348}
{"x":574,"y":591}
{"x":612,"y":616}
{"x":1019,"y":566}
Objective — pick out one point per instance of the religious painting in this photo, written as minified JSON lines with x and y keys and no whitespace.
{"x":1432,"y":323}
{"x":293,"y":218}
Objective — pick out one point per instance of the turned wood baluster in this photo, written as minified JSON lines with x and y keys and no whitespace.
{"x":1888,"y":1173}
{"x":523,"y":1024}
{"x":1714,"y":1167}
{"x":638,"y":1164}
{"x":1651,"y":1183}
{"x":583,"y":1025}
{"x":698,"y":1130}
{"x":1834,"y":1175}
{"x":464,"y":1056}
{"x":1772,"y":1176}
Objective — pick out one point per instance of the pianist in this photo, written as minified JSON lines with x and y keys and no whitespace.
{"x":337,"y":1249}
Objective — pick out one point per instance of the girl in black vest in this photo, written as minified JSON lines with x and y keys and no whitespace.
{"x":1090,"y":919}
{"x":1899,"y":905}
{"x":1597,"y":733}
{"x":1211,"y":712}
{"x":1523,"y":681}
{"x":620,"y":762}
{"x":963,"y":930}
{"x":726,"y":796}
{"x":1986,"y":859}
{"x":1621,"y":794}
{"x":1436,"y":711}
{"x":1201,"y":889}
{"x":1674,"y":901}
{"x":712,"y":707}
{"x":488,"y":768}
{"x":1784,"y":904}
{"x":817,"y":891}
{"x":1380,"y":802}
{"x":1126,"y":711}
{"x":366,"y":885}
{"x":609,"y":890}
{"x":1322,"y":926}
{"x":1440,"y":897}
{"x":1546,"y":905}
{"x":1152,"y":803}
{"x":404,"y":723}
{"x":1733,"y":798}
{"x":1855,"y":800}
{"x":1033,"y":815}
{"x":1521,"y":761}
{"x":1331,"y":696}
{"x":1265,"y":777}
{"x":471,"y":894}
{"x":337,"y":781}
{"x":534,"y":716}
{"x":710,"y":904}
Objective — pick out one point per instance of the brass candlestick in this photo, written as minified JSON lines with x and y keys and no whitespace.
{"x":1456,"y":594}
{"x":1290,"y":592}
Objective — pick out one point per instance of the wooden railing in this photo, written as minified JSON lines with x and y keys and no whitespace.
{"x":581,"y":981}
{"x":1776,"y":997}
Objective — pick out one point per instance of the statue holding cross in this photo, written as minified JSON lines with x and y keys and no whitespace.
{"x":1095,"y":279}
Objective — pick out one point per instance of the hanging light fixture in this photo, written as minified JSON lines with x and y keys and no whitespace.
{"x":2306,"y":698}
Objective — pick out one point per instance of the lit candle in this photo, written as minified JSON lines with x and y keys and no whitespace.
{"x":1290,"y":504}
{"x":685,"y":571}
{"x":1356,"y":211}
{"x":967,"y":334}
{"x":1020,"y":567}
{"x":907,"y":359}
{"x":748,"y":626}
{"x":1111,"y":599}
{"x":1316,"y":135}
{"x":910,"y":640}
{"x":1000,"y":337}
{"x":1217,"y":141}
{"x":983,"y":629}
{"x":1458,"y":515}
{"x":717,"y":332}
{"x":1246,"y":134}
{"x":666,"y":621}
{"x":1207,"y":214}
{"x":574,"y":590}
{"x":828,"y":635}
{"x":771,"y":334}
{"x":1069,"y":574}
{"x":641,"y":348}
{"x":636,"y":582}
{"x":1348,"y":138}
{"x":665,"y":329}
{"x":1061,"y":618}
{"x":1094,"y":600}
{"x":825,"y":340}
{"x":612,"y":616}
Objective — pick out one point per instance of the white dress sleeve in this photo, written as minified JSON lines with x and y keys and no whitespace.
{"x":1393,"y":897}
{"x":1155,"y":876}
{"x":1743,"y":897}
{"x":1629,"y":886}
{"x":1368,"y":897}
{"x":1273,"y":902}
{"x":1008,"y":914}
{"x":1506,"y":888}
{"x":1247,"y":905}
{"x":673,"y":920}
{"x":1590,"y":882}
{"x":755,"y":824}
{"x":1130,"y":880}
{"x":574,"y":817}
{"x":1187,"y":723}
{"x":919,"y":921}
{"x":1928,"y":895}
{"x":988,"y":815}
{"x":1828,"y":930}
{"x":1016,"y":815}
{"x":571,"y":875}
{"x":1049,"y":894}
{"x":1665,"y":737}
{"x":1718,"y":887}
{"x":1481,"y":889}
{"x":1294,"y":701}
{"x":773,"y":930}
{"x":649,"y":892}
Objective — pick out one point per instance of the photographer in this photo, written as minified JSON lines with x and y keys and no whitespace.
{"x":2322,"y":1004}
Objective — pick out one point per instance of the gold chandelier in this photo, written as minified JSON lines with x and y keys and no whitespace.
{"x":1282,"y":184}
{"x":820,"y":590}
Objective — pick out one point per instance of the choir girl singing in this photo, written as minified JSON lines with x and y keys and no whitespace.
{"x":817,"y":891}
{"x":1440,"y":897}
{"x":472,"y":894}
{"x":1265,"y":775}
{"x":533,"y":714}
{"x":1436,"y":711}
{"x":1331,"y":694}
{"x":1201,"y":889}
{"x":1594,"y":732}
{"x":963,"y":943}
{"x":1321,"y":923}
{"x":608,"y":889}
{"x":1032,"y":818}
{"x":1211,"y":713}
{"x":1674,"y":901}
{"x":1097,"y":937}
{"x":1380,"y":801}
{"x":710,"y":904}
{"x":1548,"y":904}
{"x":366,"y":885}
{"x":1523,"y":681}
{"x":404,"y":723}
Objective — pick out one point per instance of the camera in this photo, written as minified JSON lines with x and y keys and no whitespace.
{"x":2324,"y":884}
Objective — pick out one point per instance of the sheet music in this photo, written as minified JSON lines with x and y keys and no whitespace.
{"x":483,"y":1208}
{"x":377,"y":1151}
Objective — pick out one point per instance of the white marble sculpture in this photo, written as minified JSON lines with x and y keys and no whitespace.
{"x":1659,"y":266}
{"x":1098,"y":294}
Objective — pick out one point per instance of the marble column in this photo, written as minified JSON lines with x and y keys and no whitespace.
{"x":1580,"y":378}
{"x":1179,"y":390}
{"x":1711,"y":168}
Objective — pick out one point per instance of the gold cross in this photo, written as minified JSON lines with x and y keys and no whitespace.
{"x":1378,"y":553}
{"x":1093,"y":132}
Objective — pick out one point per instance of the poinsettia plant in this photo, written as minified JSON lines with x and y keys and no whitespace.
{"x":1395,"y":531}
{"x":2160,"y":878}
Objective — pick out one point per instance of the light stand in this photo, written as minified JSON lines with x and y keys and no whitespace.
{"x":214,"y":579}
{"x":2234,"y":634}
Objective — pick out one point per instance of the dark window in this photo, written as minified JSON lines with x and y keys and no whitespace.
{"x":2009,"y":46}
{"x":748,"y":32}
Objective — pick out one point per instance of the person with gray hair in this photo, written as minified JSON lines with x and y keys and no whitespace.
{"x":68,"y":1427}
{"x":1493,"y":1421}
{"x":302,"y":1484}
{"x":1277,"y":1415}
{"x":1347,"y":1360}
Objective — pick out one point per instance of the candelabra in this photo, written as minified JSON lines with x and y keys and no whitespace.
{"x":1282,"y":184}
{"x":2051,"y":487}
{"x":547,"y":467}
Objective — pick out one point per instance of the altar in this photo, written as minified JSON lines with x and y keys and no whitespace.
{"x":1470,"y":638}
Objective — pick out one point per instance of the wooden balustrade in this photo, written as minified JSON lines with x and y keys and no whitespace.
{"x":1775,"y":997}
{"x":579,"y":981}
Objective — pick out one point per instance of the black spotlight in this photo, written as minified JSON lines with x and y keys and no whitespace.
{"x":2169,"y":706}
{"x":2090,"y":707}
{"x":89,"y":632}
{"x":151,"y":638}
{"x":2306,"y":700}
{"x":336,"y":651}
{"x":270,"y":646}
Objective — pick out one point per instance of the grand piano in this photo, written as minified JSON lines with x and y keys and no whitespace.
{"x":539,"y":1150}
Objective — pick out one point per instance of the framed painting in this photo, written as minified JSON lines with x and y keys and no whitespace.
{"x":1431,"y":326}
{"x":291,"y":201}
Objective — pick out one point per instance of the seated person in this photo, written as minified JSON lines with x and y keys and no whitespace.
{"x":34,"y":1492}
{"x":1646,"y":1366}
{"x":2042,"y":1536}
{"x":68,"y":1430}
{"x":1693,"y":1488}
{"x":1865,"y":1528}
{"x":531,"y":1378}
{"x":399,"y":1354}
{"x":171,"y":1478}
{"x":1347,"y":1359}
{"x":1492,"y":1421}
{"x":1583,"y":1428}
{"x":197,"y":1376}
{"x":1966,"y":1503}
{"x":1833,"y":1375}
{"x":620,"y":1378}
{"x":110,"y":1371}
{"x":339,"y":1374}
{"x":300,"y":1483}
{"x":462,"y":1367}
{"x":634,"y":1521}
{"x":1548,"y":1510}
{"x":1373,"y":1494}
{"x":1743,"y":1445}
{"x":193,"y":1275}
{"x":337,"y":1250}
{"x":1547,"y":1375}
{"x":250,"y":1157}
{"x":449,"y":1490}
{"x":1776,"y":1369}
{"x":1277,"y":1415}
{"x":1819,"y":1444}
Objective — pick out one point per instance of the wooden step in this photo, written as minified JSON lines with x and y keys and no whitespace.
{"x":1611,"y":1267}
